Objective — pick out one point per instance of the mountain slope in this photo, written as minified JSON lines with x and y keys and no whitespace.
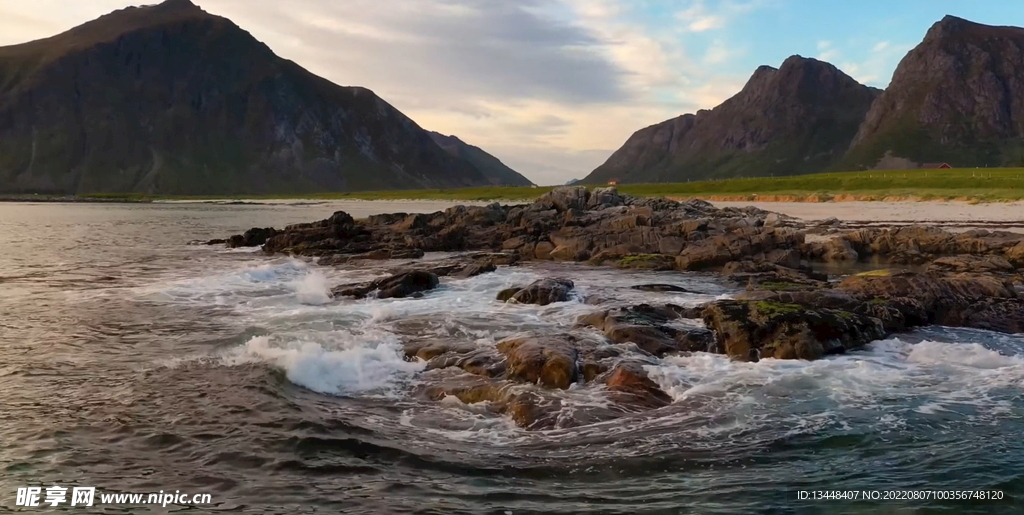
{"x":798,"y":118}
{"x":169,"y":99}
{"x":497,"y":172}
{"x":957,"y":97}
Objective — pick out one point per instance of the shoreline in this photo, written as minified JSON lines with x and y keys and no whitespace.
{"x":750,"y":199}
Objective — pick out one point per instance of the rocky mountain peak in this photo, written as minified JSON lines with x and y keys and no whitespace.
{"x":798,"y":117}
{"x":957,"y":97}
{"x":950,"y":26}
{"x":170,"y":99}
{"x":797,"y":79}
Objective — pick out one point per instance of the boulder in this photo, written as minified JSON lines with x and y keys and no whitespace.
{"x":629,"y":384}
{"x":1015,"y":255}
{"x":252,"y":238}
{"x":542,"y":291}
{"x":648,"y":327}
{"x":601,"y":198}
{"x":837,"y":250}
{"x":475,"y":269}
{"x":529,"y":409}
{"x":548,"y":361}
{"x":739,"y":243}
{"x":396,"y":286}
{"x":565,"y":198}
{"x":752,"y":330}
{"x":507,"y":294}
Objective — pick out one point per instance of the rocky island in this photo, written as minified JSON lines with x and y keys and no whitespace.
{"x":787,"y":309}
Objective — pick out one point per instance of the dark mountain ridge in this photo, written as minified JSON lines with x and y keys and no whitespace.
{"x":496,"y":172}
{"x":170,"y":99}
{"x":795,"y":119}
{"x":958,"y":97}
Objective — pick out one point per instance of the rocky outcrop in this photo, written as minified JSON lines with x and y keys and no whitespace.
{"x":786,"y":311}
{"x":915,"y":244}
{"x":752,"y":330}
{"x":254,"y":237}
{"x":752,"y":246}
{"x":799,"y":118}
{"x":168,"y":99}
{"x":957,"y":97}
{"x":959,"y":300}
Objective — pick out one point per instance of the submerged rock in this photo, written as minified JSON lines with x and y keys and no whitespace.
{"x":648,"y":328}
{"x":667,"y":288}
{"x":396,"y":286}
{"x":475,"y":269}
{"x":542,"y":291}
{"x":631,"y":386}
{"x":529,"y":409}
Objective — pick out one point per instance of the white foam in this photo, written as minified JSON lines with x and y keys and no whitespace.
{"x":928,"y":378}
{"x":361,"y":365}
{"x":312,"y":289}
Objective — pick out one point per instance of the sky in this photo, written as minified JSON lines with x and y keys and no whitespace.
{"x":553,"y":87}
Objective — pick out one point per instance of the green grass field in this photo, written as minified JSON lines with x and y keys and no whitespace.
{"x":984,"y":185}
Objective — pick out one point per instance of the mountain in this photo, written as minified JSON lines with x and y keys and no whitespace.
{"x":497,"y":172}
{"x":170,"y":99}
{"x":957,"y":97}
{"x":799,"y":118}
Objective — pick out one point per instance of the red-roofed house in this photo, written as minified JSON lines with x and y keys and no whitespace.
{"x":934,"y":166}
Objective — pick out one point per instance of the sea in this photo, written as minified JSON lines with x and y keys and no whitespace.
{"x":133,"y":361}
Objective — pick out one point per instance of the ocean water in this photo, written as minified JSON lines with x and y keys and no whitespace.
{"x":134,"y":362}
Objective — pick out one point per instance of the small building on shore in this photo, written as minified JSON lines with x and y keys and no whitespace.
{"x":936,"y":166}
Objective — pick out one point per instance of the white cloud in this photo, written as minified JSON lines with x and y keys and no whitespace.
{"x":707,"y":22}
{"x":718,"y":53}
{"x":704,"y":15}
{"x":876,"y":68}
{"x":826,"y":51}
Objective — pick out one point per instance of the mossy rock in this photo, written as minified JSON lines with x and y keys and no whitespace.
{"x":885,"y":272}
{"x":647,"y":262}
{"x":776,"y":285}
{"x":771,"y":308}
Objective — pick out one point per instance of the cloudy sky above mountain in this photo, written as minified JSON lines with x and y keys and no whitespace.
{"x":552,"y":87}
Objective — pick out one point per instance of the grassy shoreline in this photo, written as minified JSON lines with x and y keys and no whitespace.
{"x":970,"y":185}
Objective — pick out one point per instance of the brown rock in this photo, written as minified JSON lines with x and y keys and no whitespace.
{"x":630,"y":384}
{"x":542,"y":292}
{"x":549,"y":361}
{"x":751,"y":330}
{"x":397,"y":286}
